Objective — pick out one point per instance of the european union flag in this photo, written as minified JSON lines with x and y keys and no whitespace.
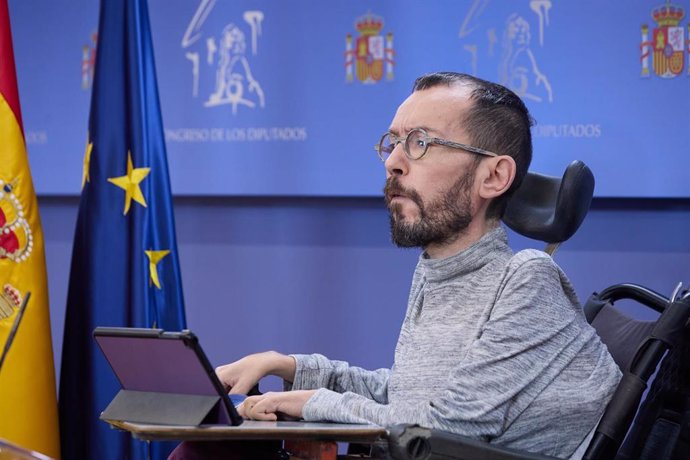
{"x":125,"y":269}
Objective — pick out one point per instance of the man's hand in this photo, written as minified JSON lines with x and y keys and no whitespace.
{"x":269,"y":405}
{"x":241,"y":376}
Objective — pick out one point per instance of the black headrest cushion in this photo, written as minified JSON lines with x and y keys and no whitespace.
{"x":548,"y":208}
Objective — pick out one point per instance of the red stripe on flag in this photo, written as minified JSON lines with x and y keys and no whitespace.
{"x":8,"y":74}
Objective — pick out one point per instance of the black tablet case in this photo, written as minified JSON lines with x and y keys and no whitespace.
{"x":165,"y":377}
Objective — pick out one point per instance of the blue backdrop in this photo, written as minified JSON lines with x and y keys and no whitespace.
{"x":288,"y":98}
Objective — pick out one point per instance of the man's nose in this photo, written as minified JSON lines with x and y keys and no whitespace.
{"x":397,"y":163}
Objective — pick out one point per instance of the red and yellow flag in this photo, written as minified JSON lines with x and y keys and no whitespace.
{"x":28,"y":407}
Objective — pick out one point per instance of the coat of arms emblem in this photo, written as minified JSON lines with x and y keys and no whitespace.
{"x":88,"y":62}
{"x":10,"y":300}
{"x":667,"y":46}
{"x":372,"y":54}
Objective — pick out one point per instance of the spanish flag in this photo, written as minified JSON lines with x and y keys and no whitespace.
{"x":28,"y":406}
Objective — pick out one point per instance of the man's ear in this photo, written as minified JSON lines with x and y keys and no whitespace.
{"x":498,"y":177}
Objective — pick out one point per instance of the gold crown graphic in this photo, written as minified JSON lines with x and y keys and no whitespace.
{"x":369,"y":24}
{"x":668,"y":15}
{"x":14,"y":224}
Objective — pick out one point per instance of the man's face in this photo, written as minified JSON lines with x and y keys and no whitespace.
{"x":430,"y":199}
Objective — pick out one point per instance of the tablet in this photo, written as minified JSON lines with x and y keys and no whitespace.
{"x":165,"y":378}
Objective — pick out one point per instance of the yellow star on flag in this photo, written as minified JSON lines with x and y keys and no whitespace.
{"x":130,"y":183}
{"x":87,"y":161}
{"x":154,"y":258}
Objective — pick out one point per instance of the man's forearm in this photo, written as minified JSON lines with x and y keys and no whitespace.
{"x":281,"y":365}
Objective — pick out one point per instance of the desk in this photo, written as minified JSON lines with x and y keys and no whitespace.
{"x":9,"y":451}
{"x":304,"y":439}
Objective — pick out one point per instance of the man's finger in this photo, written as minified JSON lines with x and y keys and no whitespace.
{"x":263,"y":409}
{"x":264,"y":416}
{"x":240,"y":388}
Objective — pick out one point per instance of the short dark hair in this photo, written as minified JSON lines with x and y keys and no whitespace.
{"x":498,"y":121}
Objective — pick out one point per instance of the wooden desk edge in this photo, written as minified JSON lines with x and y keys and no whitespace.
{"x":255,"y":431}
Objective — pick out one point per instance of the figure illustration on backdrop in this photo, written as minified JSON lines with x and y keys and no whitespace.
{"x":518,"y":69}
{"x":235,"y":83}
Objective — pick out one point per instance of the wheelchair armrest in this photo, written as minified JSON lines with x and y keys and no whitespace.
{"x":412,"y":442}
{"x":641,"y":294}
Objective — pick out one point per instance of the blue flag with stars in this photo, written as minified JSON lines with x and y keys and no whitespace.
{"x":125,"y":269}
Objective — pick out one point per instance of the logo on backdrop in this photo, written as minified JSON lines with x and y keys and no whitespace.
{"x":16,"y":240}
{"x":667,"y":45}
{"x":226,"y":58}
{"x":372,"y":55}
{"x":88,"y":62}
{"x":520,"y":46}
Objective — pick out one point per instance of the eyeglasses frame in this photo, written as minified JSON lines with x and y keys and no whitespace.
{"x":429,"y":141}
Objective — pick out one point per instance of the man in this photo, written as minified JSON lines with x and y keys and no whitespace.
{"x":493,"y":345}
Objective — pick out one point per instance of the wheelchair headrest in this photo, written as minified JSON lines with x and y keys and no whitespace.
{"x":548,"y":208}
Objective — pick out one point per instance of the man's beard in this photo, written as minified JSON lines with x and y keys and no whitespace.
{"x":441,"y":221}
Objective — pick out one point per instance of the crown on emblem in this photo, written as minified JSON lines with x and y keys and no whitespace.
{"x":668,"y":15}
{"x":369,"y":24}
{"x":13,"y":225}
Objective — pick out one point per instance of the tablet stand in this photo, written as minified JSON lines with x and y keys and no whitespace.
{"x":165,"y":408}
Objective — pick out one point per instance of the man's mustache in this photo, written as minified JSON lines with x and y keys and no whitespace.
{"x":393,"y":188}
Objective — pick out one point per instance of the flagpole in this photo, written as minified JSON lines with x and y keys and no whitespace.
{"x":15,"y":327}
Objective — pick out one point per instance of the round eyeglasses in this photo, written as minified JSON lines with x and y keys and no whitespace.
{"x":417,"y":142}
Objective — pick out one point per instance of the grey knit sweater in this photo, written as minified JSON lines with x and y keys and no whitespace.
{"x":493,"y":346}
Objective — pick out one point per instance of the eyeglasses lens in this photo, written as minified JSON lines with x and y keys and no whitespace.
{"x":385,"y":147}
{"x":415,"y":144}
